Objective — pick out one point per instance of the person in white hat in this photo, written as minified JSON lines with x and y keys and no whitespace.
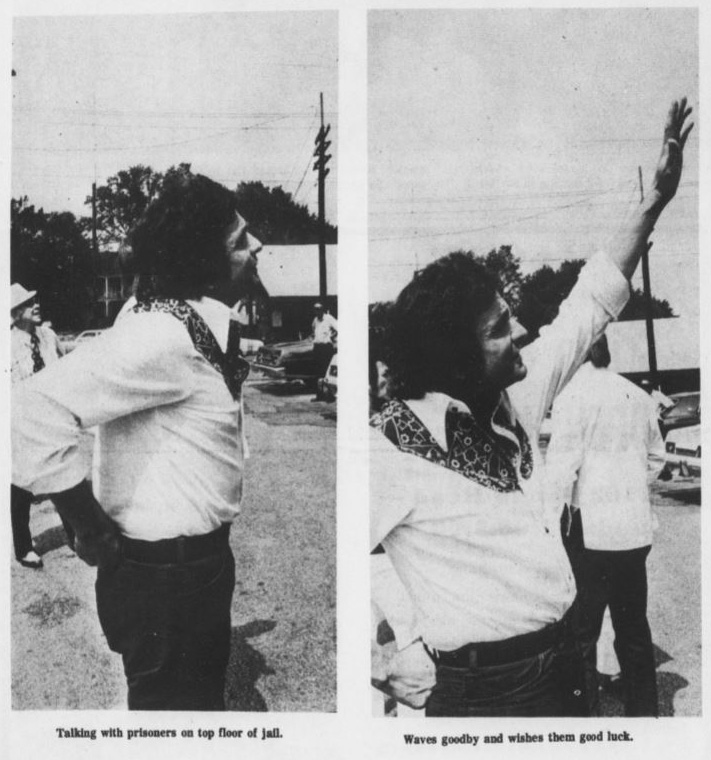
{"x":34,"y":346}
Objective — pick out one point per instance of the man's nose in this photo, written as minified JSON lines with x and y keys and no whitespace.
{"x":518,"y":332}
{"x":253,"y":244}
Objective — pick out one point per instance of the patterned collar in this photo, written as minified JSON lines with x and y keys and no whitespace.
{"x":474,"y":449}
{"x":230,"y":364}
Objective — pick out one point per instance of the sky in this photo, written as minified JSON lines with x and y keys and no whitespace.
{"x":526,"y":127}
{"x":236,"y":95}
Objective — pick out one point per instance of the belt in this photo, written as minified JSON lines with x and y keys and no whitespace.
{"x":488,"y":653}
{"x":176,"y":551}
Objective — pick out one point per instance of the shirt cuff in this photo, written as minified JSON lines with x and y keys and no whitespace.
{"x":606,"y":284}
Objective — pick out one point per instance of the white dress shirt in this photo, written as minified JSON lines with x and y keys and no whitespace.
{"x":170,"y":449}
{"x":481,"y":565}
{"x":325,"y":329}
{"x":605,"y":446}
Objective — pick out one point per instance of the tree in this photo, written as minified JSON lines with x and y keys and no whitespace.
{"x":49,"y":254}
{"x":636,"y":307}
{"x":506,"y":268}
{"x":544,"y":290}
{"x":272,"y":214}
{"x":276,"y":219}
{"x":122,"y":200}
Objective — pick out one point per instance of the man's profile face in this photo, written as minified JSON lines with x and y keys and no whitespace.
{"x":242,"y":249}
{"x":28,"y":315}
{"x":498,"y":335}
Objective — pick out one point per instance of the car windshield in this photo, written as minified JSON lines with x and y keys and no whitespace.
{"x":684,"y":406}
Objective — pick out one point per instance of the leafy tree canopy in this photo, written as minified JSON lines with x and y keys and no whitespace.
{"x":543,"y":291}
{"x":122,"y":200}
{"x":276,"y":218}
{"x":506,"y":268}
{"x":273,"y":215}
{"x":49,"y":254}
{"x":536,"y":298}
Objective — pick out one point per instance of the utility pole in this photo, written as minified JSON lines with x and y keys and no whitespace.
{"x":94,"y":239}
{"x":95,"y":251}
{"x":322,"y":158}
{"x":651,"y":347}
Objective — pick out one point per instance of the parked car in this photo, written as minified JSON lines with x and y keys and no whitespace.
{"x":70,"y":342}
{"x":327,"y":387}
{"x":289,"y":361}
{"x":250,"y":346}
{"x":686,"y":412}
{"x":683,"y":447}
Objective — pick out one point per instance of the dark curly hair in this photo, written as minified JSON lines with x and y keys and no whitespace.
{"x":178,"y":245}
{"x":429,"y":340}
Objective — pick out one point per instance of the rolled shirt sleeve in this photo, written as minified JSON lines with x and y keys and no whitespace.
{"x":143,"y":362}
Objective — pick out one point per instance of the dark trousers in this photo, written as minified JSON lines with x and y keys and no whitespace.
{"x":171,"y":625}
{"x":20,"y":504}
{"x":550,"y":684}
{"x":323,"y":353}
{"x":617,"y":579}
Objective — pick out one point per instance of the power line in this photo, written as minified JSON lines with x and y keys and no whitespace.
{"x":303,"y":145}
{"x":507,"y":223}
{"x":146,"y":146}
{"x":544,"y":193}
{"x":303,"y":176}
{"x":496,"y":210}
{"x":109,"y":112}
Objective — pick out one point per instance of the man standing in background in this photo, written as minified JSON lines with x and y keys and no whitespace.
{"x":33,"y":346}
{"x":605,"y":445}
{"x":324,"y":329}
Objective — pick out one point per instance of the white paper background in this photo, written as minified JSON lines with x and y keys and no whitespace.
{"x":351,"y":733}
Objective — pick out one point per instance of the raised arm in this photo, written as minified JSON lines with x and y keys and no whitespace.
{"x":632,"y":241}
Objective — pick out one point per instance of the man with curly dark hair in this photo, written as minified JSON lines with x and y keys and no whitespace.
{"x":431,"y":320}
{"x":163,"y":385}
{"x":457,"y":479}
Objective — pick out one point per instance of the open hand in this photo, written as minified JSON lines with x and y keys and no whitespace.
{"x":668,"y":173}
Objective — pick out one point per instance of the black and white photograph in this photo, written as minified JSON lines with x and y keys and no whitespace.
{"x":174,"y":335}
{"x":354,"y":379}
{"x":534,"y":364}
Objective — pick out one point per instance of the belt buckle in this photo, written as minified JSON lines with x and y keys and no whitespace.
{"x":473,"y":658}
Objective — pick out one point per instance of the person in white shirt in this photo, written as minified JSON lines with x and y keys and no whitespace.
{"x":605,"y":447}
{"x":164,"y":388}
{"x":34,"y":345}
{"x":324,"y":329}
{"x":457,"y":479}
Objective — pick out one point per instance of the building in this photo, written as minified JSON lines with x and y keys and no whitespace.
{"x":113,"y":287}
{"x":290,"y":274}
{"x":677,"y":349}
